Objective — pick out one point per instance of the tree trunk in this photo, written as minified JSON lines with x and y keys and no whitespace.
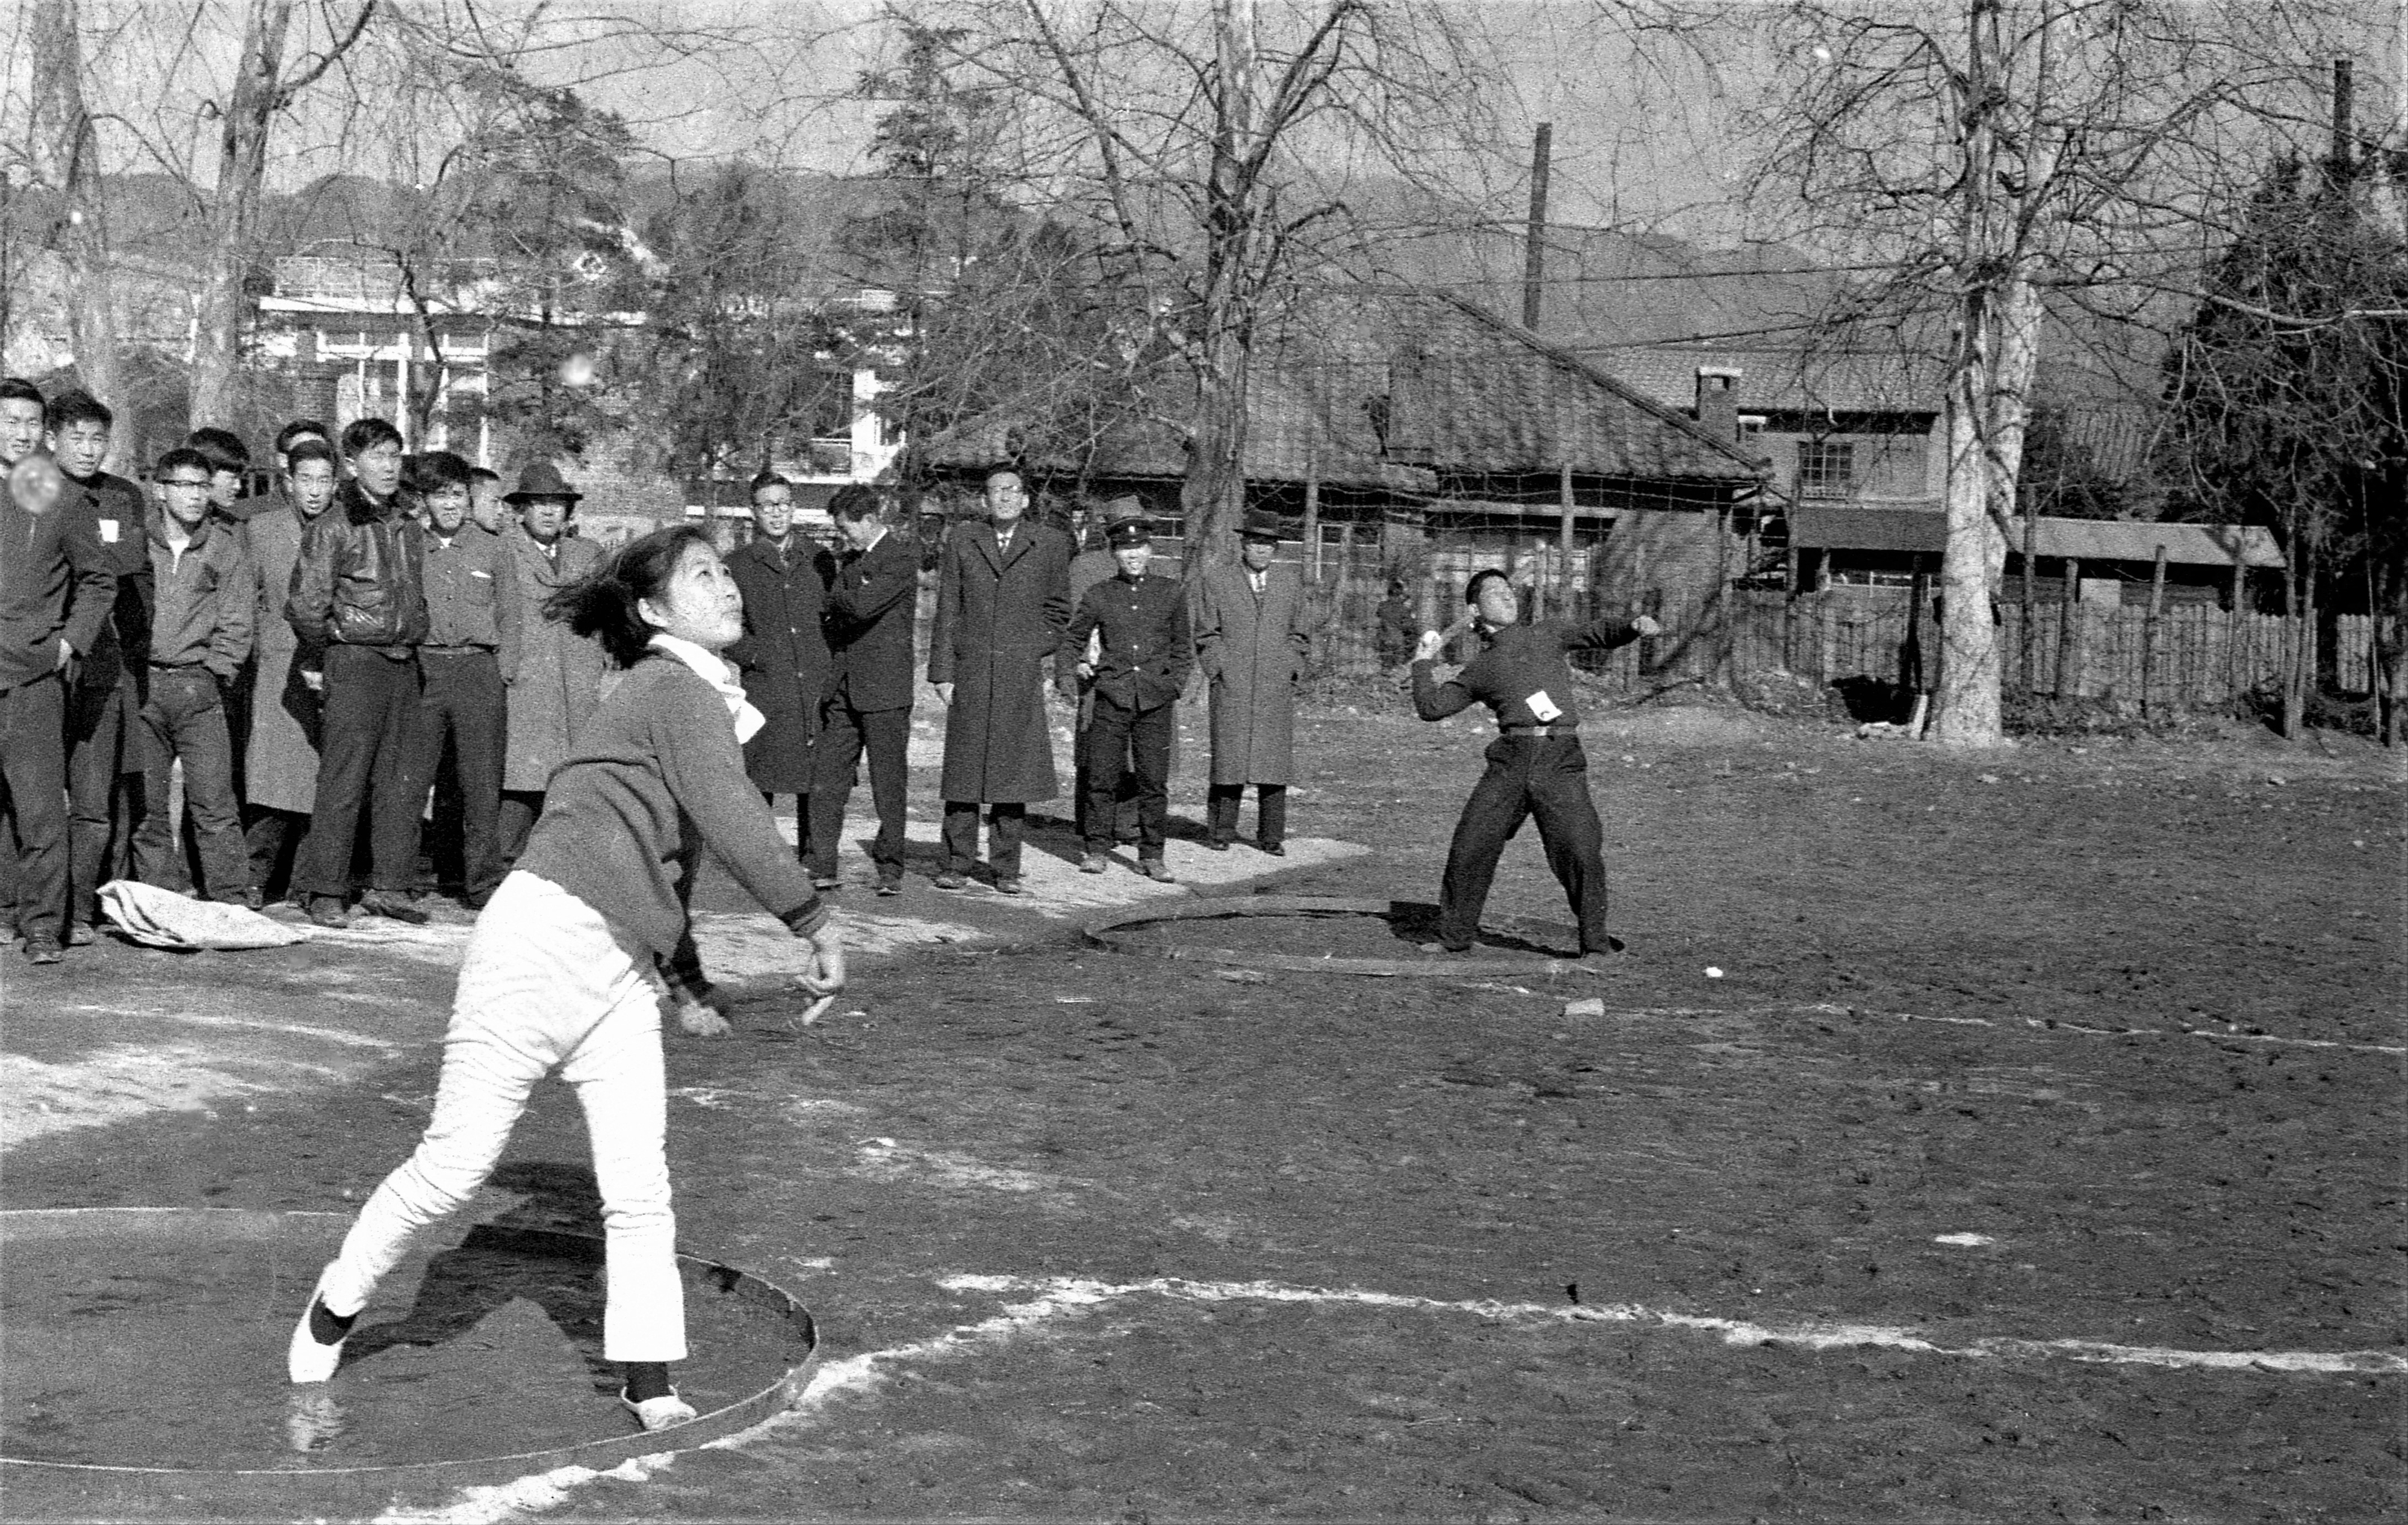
{"x":234,"y":211}
{"x":1966,"y":712}
{"x":1988,"y":322}
{"x":1213,"y":496}
{"x":66,"y":149}
{"x":2296,"y":576}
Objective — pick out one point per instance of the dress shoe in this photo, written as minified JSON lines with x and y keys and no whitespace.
{"x":327,"y":910}
{"x":1218,"y":844}
{"x":1153,"y":869}
{"x":43,"y":953}
{"x":79,"y":935}
{"x":1093,"y":863}
{"x":392,"y":906}
{"x":824,"y":886}
{"x":890,"y":887}
{"x":1272,"y":848}
{"x":1434,"y":948}
{"x":950,"y":881}
{"x":1008,"y":886}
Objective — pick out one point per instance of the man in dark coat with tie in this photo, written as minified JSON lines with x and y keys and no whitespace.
{"x":783,"y":576}
{"x":871,"y":605}
{"x":1142,"y":655}
{"x":1003,"y":598}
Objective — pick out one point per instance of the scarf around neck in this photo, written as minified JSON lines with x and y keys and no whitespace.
{"x":719,"y":675}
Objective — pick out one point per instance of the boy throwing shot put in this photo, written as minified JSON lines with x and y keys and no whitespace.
{"x":1535,"y":766}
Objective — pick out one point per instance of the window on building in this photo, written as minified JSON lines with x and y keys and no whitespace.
{"x":1825,"y":468}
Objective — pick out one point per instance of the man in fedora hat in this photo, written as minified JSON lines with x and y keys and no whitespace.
{"x":358,"y":608}
{"x":1251,"y":638}
{"x":1135,"y":630}
{"x":559,"y":678}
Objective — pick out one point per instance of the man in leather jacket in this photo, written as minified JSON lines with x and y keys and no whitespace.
{"x":358,"y":608}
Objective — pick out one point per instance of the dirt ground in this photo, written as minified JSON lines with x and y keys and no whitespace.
{"x":1094,"y":1236}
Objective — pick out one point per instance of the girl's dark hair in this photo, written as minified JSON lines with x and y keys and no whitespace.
{"x":603,"y":603}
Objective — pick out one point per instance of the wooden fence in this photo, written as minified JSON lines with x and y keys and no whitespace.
{"x":2186,"y":659}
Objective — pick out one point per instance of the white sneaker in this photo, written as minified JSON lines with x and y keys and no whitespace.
{"x":305,"y":1359}
{"x":658,"y":1413}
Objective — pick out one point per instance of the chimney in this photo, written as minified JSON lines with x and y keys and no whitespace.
{"x":2344,"y":103}
{"x":1718,"y":402}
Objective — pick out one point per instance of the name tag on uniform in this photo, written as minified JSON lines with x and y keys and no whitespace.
{"x":1544,"y":707}
{"x":108,"y":532}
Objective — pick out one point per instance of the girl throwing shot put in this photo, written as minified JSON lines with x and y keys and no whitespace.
{"x":558,"y":974}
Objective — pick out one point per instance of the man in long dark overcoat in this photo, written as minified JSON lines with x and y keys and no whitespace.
{"x":286,"y":714}
{"x":871,"y":607}
{"x":1003,"y":599}
{"x":1251,"y":637}
{"x":783,"y":654}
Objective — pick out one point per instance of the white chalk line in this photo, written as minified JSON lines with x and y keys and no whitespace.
{"x":540,"y":1491}
{"x":2222,"y":1032}
{"x":1060,"y":1295}
{"x":1817,"y":1336}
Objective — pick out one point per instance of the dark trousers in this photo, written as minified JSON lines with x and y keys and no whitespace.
{"x":184,"y":720}
{"x":372,"y":704}
{"x":275,"y":839}
{"x":461,"y":701}
{"x":1116,"y":736}
{"x":1124,"y":815}
{"x":100,"y":804}
{"x":1545,"y":776}
{"x":520,"y":808}
{"x":1221,"y":802}
{"x":802,"y":824}
{"x":845,"y":734}
{"x":33,"y":767}
{"x":1005,"y":826}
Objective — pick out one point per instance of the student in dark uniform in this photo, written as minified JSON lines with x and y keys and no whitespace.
{"x":1143,"y":657}
{"x":104,"y":764}
{"x":1535,"y":766}
{"x":56,"y":593}
{"x":871,"y":606}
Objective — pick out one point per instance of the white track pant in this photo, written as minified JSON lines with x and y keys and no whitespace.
{"x":545,"y":985}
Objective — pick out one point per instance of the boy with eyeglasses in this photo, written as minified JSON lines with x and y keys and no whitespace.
{"x":200,"y":637}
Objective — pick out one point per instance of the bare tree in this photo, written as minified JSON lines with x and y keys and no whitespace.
{"x":1991,"y":153}
{"x":262,"y":89}
{"x":67,"y":162}
{"x":1209,"y":151}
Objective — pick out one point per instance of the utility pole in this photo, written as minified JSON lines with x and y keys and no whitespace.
{"x":1534,"y":260}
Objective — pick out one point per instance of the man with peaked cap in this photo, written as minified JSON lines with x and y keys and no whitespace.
{"x":1136,"y":628}
{"x":1088,"y":568}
